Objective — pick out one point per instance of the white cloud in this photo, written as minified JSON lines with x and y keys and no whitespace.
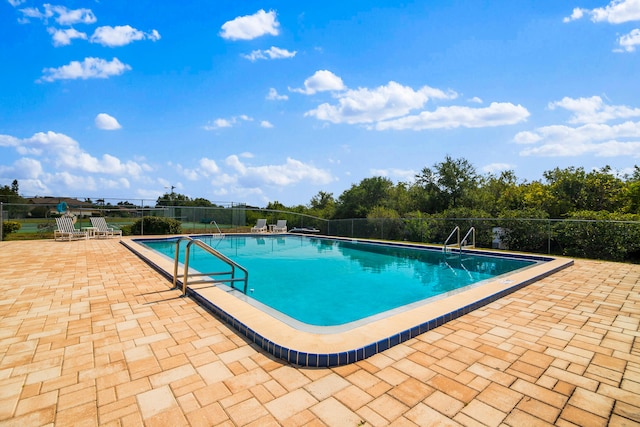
{"x":64,"y":37}
{"x":595,"y":138}
{"x":616,"y":12}
{"x":66,"y":154}
{"x":120,"y":35}
{"x":154,"y":35}
{"x":493,"y":168}
{"x":251,"y":26}
{"x":9,"y":141}
{"x":475,"y":100}
{"x":594,"y":110}
{"x":90,"y":68}
{"x":107,"y":122}
{"x":227,"y":123}
{"x":274,"y":96}
{"x":388,"y":107}
{"x":23,"y":168}
{"x":321,"y":81}
{"x":405,"y":175}
{"x":289,"y":173}
{"x":266,"y":124}
{"x":64,"y":16}
{"x":610,"y":148}
{"x":206,"y":168}
{"x":577,"y":13}
{"x":190,"y":174}
{"x":496,"y":114}
{"x":272,"y":53}
{"x":34,"y":12}
{"x":70,"y":17}
{"x":218,"y":124}
{"x":628,"y":42}
{"x":16,"y":3}
{"x":370,"y":105}
{"x":209,"y":166}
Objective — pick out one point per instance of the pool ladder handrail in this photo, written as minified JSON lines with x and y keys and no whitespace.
{"x":220,"y":233}
{"x":460,"y":243}
{"x":213,"y":252}
{"x":455,"y":231}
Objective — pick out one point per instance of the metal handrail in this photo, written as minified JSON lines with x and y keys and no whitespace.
{"x":455,"y":230}
{"x":462,"y":244}
{"x":218,"y":228}
{"x":176,"y":258}
{"x":213,"y":252}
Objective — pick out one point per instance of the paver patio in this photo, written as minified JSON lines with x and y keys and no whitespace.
{"x":91,"y":335}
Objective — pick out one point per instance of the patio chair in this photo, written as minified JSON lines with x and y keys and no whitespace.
{"x":67,"y":231}
{"x":260,"y":227}
{"x":102,"y":229}
{"x":281,"y":226}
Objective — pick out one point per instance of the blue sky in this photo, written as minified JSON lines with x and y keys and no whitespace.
{"x":277,"y":100}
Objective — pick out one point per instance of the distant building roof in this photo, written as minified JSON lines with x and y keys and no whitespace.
{"x":71,"y":202}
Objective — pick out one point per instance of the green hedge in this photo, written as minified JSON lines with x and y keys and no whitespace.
{"x":154,"y":225}
{"x":599,"y":235}
{"x":10,"y":227}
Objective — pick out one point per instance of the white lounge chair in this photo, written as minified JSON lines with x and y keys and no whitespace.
{"x":67,"y":231}
{"x":280,"y":227}
{"x":102,"y":229}
{"x":260,"y":227}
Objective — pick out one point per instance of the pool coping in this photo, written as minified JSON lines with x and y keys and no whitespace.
{"x":335,"y":349}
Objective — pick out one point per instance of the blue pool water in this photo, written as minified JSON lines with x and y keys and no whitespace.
{"x":327,"y":282}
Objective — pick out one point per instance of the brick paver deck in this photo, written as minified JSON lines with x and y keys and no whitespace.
{"x":90,"y":335}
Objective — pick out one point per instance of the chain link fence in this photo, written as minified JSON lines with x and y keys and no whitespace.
{"x":606,"y":240}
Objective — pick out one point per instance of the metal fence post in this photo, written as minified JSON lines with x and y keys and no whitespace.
{"x":1,"y":221}
{"x":548,"y":237}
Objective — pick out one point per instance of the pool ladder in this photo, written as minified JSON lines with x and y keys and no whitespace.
{"x":220,"y":234}
{"x":460,"y":243}
{"x":232,"y":279}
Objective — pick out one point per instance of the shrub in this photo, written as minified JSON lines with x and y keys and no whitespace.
{"x":384,"y":223}
{"x":416,"y":227}
{"x":522,"y":235}
{"x":599,"y":235}
{"x":10,"y":227}
{"x":156,"y":225}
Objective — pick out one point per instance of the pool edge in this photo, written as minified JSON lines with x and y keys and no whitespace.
{"x":306,"y":349}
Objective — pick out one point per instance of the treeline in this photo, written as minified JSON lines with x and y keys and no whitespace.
{"x":602,"y":207}
{"x":455,"y":186}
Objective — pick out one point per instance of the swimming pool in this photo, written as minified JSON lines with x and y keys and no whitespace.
{"x":326,"y":346}
{"x":328,"y":282}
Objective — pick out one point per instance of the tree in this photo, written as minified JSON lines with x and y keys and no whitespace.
{"x":9,"y":194}
{"x":360,"y":199}
{"x":321,"y":200}
{"x":496,"y":193}
{"x":453,"y":181}
{"x":565,"y":189}
{"x":425,"y":192}
{"x":276,"y":206}
{"x":602,"y":191}
{"x":199,"y":201}
{"x":322,"y":205}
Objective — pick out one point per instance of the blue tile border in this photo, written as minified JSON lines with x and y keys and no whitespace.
{"x":327,"y":360}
